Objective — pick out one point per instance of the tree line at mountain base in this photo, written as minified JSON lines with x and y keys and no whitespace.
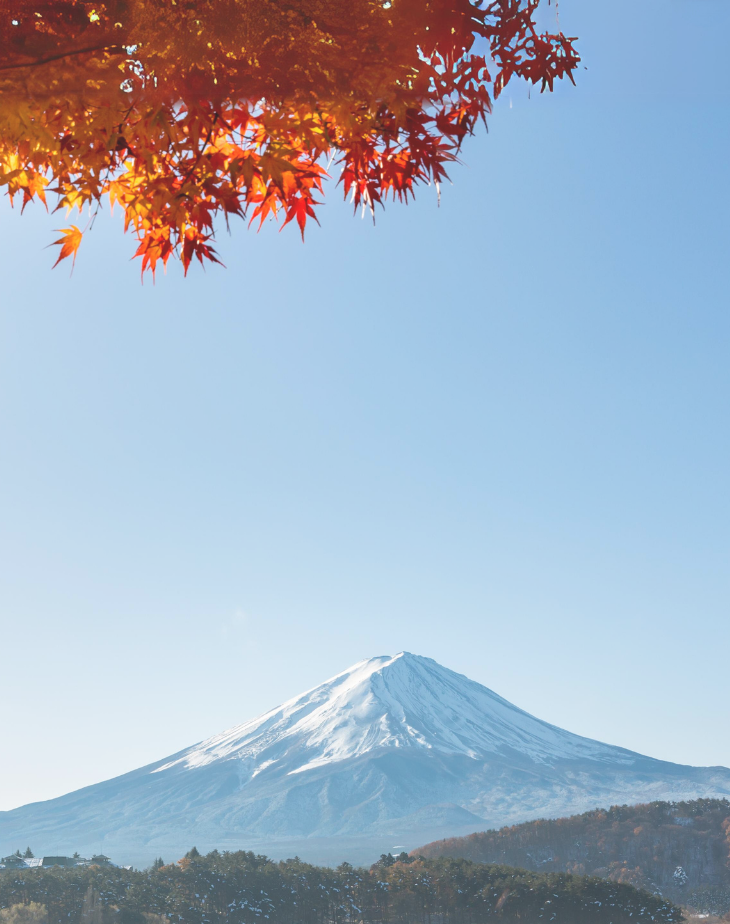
{"x":243,"y":888}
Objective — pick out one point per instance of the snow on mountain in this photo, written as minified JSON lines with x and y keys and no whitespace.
{"x":395,"y":747}
{"x":404,"y":701}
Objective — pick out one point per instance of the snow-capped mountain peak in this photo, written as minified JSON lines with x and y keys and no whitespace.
{"x":404,"y":701}
{"x":395,"y":750}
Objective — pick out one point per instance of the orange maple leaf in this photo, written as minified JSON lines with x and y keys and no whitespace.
{"x":69,"y":243}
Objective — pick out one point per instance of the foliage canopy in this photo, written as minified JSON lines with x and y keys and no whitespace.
{"x":182,"y":110}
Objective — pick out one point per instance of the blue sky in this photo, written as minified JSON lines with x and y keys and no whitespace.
{"x":493,"y":432}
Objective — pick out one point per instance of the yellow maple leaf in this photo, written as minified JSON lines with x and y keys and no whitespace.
{"x":69,"y":243}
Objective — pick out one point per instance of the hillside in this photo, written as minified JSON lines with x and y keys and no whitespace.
{"x":395,"y":750}
{"x":680,"y":850}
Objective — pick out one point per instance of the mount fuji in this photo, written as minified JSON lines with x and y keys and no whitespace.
{"x":394,"y":751}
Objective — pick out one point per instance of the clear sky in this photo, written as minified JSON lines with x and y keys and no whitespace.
{"x":494,"y":433}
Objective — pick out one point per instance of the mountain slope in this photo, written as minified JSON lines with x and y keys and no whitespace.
{"x":393,"y":748}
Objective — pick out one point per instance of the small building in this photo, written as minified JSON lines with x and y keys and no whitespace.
{"x":100,"y":860}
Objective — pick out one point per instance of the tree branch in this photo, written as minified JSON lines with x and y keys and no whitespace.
{"x":64,"y":54}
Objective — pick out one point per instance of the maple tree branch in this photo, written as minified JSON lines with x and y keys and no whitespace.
{"x":63,"y":54}
{"x":201,"y":151}
{"x":270,"y":93}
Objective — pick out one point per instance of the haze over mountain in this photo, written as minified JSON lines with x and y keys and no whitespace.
{"x":395,"y":751}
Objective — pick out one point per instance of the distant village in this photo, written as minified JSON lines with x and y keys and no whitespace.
{"x":29,"y":861}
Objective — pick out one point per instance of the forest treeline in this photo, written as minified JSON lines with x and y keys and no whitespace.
{"x":242,"y":888}
{"x":678,"y":849}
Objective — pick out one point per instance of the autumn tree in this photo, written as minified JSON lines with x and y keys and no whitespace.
{"x":32,"y":913}
{"x":181,"y":111}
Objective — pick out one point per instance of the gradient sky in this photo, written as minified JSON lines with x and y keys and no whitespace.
{"x":494,"y":433}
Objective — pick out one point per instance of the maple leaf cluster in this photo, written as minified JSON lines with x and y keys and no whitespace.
{"x":180,"y":111}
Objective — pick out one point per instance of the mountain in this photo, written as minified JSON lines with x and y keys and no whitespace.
{"x":679,"y":849}
{"x":393,"y":752}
